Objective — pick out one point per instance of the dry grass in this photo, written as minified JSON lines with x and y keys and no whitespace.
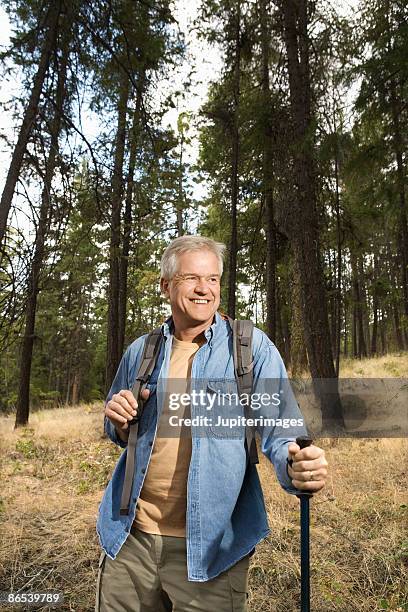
{"x":53,"y":476}
{"x":392,"y":365}
{"x":359,"y":546}
{"x":386,"y":366}
{"x":54,"y":473}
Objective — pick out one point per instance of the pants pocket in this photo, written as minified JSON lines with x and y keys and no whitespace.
{"x":101,"y":565}
{"x":238,"y":581}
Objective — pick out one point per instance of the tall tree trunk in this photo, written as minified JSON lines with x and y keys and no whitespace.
{"x":68,"y":379}
{"x":75,"y":389}
{"x":279,"y":331}
{"x":268,"y":178}
{"x":363,"y":314}
{"x":127,"y":220}
{"x":112,"y":351}
{"x":397,"y":325}
{"x":271,"y":302}
{"x":403,"y":226}
{"x":23,"y":397}
{"x":382,"y":332}
{"x":339,"y":259}
{"x":232,"y":276}
{"x":354,"y":329}
{"x":286,"y":333}
{"x":330,"y":285}
{"x":297,"y":344}
{"x":396,"y":101}
{"x":375,"y":326}
{"x":282,"y":331}
{"x":30,"y":114}
{"x":346,"y":329}
{"x":393,"y":270}
{"x":359,"y":344}
{"x":304,"y":232}
{"x":180,"y":201}
{"x":375,"y":309}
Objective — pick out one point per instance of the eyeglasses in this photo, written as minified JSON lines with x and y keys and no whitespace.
{"x":194,"y":279}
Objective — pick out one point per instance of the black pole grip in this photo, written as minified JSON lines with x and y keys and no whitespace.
{"x":304,"y":441}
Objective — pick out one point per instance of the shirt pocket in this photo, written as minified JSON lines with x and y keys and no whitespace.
{"x":225,"y":409}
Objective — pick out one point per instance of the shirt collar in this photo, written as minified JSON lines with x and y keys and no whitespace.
{"x":168,"y":327}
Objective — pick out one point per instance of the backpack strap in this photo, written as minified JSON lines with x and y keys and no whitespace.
{"x":242,"y":331}
{"x":150,"y":353}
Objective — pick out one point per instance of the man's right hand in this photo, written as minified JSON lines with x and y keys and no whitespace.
{"x":121,"y":409}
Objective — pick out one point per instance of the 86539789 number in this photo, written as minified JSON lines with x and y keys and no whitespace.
{"x":28,"y":598}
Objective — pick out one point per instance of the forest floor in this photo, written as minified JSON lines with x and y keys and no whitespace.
{"x":55,"y":470}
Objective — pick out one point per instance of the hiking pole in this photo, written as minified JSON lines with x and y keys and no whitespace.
{"x":304,"y":441}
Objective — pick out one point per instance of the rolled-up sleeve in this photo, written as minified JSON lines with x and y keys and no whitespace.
{"x":280,"y":418}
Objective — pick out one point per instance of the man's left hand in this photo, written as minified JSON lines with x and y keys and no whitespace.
{"x":309,"y":468}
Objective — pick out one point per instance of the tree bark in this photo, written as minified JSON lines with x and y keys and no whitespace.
{"x":331,"y":302}
{"x":304,"y":231}
{"x":112,"y":351}
{"x":75,"y":389}
{"x":282,"y":322}
{"x":396,"y":103}
{"x":397,"y":326}
{"x":374,"y":333}
{"x":30,"y":114}
{"x":345,"y":314}
{"x":127,"y":220}
{"x":286,"y":334}
{"x":360,"y":349}
{"x":268,"y":180}
{"x":382,"y":333}
{"x":23,"y":397}
{"x":180,"y":201}
{"x":297,"y":344}
{"x":232,"y":276}
{"x":339,"y":260}
{"x":354,"y":328}
{"x":363,"y":310}
{"x":403,"y":225}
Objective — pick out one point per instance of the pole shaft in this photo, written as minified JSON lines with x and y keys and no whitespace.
{"x":304,"y":554}
{"x":302,"y":442}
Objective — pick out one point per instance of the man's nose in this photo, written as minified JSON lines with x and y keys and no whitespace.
{"x":201,"y":286}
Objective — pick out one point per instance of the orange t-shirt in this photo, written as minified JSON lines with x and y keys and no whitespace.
{"x":162,"y":502}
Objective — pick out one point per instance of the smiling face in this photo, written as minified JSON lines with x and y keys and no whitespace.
{"x":194,"y":291}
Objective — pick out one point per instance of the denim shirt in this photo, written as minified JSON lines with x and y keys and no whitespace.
{"x":226,"y":514}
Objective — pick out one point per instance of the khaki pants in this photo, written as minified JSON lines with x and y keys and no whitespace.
{"x":149,"y":574}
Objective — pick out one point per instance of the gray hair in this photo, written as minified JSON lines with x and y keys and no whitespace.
{"x":184,"y":244}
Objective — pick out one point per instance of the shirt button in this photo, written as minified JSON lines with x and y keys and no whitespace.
{"x":151,"y":443}
{"x":143,"y":470}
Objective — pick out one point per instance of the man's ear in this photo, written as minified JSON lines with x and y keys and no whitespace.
{"x":164,"y":287}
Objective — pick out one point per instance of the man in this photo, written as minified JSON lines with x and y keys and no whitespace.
{"x":196,"y":510}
